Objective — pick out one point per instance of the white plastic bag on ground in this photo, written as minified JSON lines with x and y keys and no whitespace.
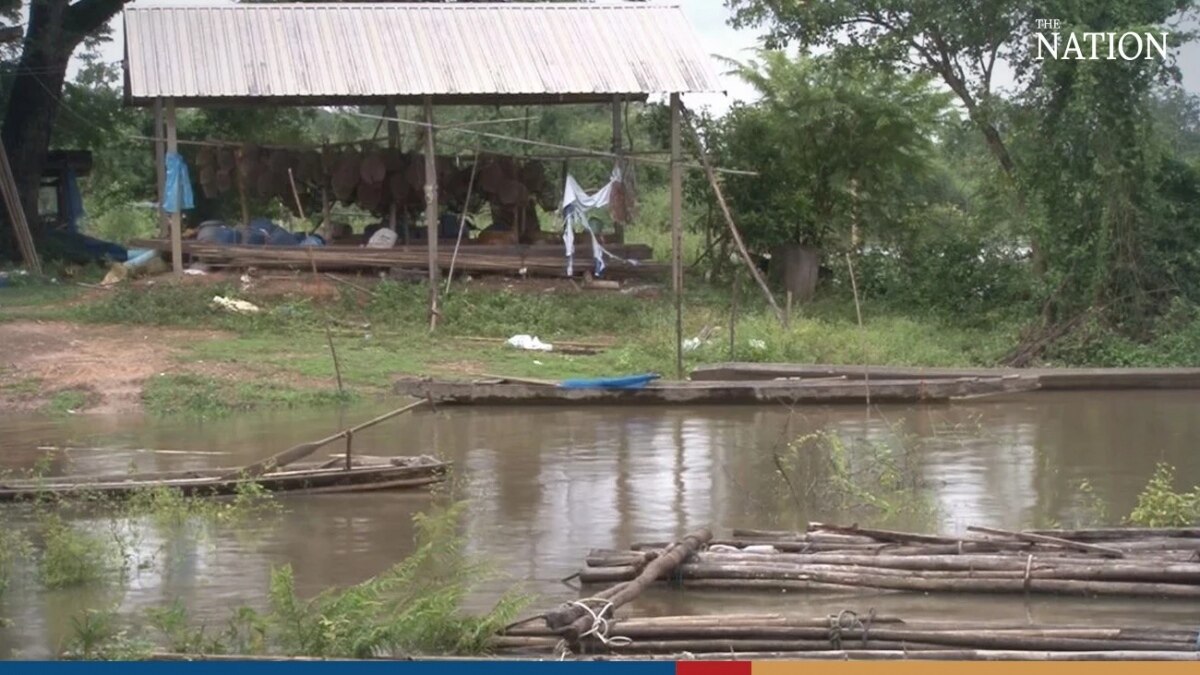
{"x":235,"y":306}
{"x":529,"y":342}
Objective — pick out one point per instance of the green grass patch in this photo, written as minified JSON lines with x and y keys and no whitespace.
{"x":69,"y":401}
{"x":25,"y":387}
{"x":211,"y":397}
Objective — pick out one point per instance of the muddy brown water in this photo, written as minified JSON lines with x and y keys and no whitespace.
{"x":545,"y":485}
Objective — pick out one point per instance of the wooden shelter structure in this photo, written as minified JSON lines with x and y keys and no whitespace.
{"x":426,"y":54}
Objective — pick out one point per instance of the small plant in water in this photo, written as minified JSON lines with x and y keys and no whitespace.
{"x":72,"y":556}
{"x":97,"y":636}
{"x":13,"y":548}
{"x":413,"y":608}
{"x":1159,"y":505}
{"x":825,"y":475}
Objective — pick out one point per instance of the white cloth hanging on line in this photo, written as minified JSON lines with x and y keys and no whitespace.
{"x":575,"y":206}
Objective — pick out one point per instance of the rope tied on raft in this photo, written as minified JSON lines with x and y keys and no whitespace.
{"x":600,"y":623}
{"x":1028,"y":571}
{"x":838,"y":622}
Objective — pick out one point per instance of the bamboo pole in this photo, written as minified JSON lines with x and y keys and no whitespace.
{"x":160,"y":168}
{"x":677,"y":231}
{"x":1046,"y":539}
{"x":431,"y":213}
{"x":177,"y":214}
{"x":16,"y":214}
{"x":303,"y":450}
{"x":462,"y":220}
{"x":571,"y":620}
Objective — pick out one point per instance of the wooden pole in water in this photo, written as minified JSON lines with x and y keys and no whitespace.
{"x":431,"y":215}
{"x":177,"y":214}
{"x":677,"y":231}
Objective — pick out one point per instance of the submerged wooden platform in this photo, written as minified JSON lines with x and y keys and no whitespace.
{"x":500,"y":391}
{"x":364,"y":474}
{"x":533,"y":259}
{"x":1049,"y":379}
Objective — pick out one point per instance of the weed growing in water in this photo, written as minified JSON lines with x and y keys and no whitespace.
{"x":169,"y":507}
{"x":13,"y":547}
{"x":822,"y":473}
{"x":97,"y":636}
{"x":108,"y":547}
{"x":1159,"y":505}
{"x":413,"y":608}
{"x":72,"y":556}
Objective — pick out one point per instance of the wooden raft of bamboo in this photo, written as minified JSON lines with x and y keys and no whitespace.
{"x":1124,"y":562}
{"x":856,"y":636}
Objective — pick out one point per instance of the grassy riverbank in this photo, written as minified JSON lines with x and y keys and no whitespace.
{"x":280,"y":355}
{"x":207,"y":361}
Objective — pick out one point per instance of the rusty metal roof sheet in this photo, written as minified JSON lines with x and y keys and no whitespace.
{"x":468,"y":52}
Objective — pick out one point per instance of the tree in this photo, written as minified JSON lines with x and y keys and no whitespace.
{"x":834,"y":142}
{"x":959,"y":42}
{"x":55,"y":29}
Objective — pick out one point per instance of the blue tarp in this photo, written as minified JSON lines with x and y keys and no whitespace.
{"x":74,"y":201}
{"x":179,"y":185}
{"x":624,"y":382}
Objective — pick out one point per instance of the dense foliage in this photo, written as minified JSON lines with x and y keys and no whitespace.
{"x":967,"y":176}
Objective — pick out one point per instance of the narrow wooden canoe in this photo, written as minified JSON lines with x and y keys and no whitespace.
{"x":365,"y":473}
{"x":502,"y":391}
{"x":1049,"y":379}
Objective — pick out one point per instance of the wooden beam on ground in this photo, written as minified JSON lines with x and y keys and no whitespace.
{"x":177,"y":215}
{"x":431,"y":212}
{"x":677,"y":231}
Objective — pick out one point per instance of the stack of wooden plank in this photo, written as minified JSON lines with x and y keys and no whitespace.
{"x":534,"y":259}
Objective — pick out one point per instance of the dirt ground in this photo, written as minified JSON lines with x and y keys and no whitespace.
{"x":108,"y":364}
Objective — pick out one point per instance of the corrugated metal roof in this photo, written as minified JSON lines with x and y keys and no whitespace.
{"x":470,"y":52}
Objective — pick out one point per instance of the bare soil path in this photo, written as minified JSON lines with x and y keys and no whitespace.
{"x":108,"y":364}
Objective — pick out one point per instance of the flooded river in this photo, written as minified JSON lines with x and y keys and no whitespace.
{"x":547,"y":484}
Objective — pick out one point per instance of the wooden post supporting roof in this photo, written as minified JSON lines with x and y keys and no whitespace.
{"x":618,"y":228}
{"x":677,"y":232}
{"x":431,"y":212}
{"x":160,"y":165}
{"x":393,"y":132}
{"x":177,"y":214}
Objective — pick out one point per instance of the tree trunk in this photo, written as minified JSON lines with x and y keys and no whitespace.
{"x":55,"y":28}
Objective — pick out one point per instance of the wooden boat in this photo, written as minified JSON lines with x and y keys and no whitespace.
{"x":500,"y":391}
{"x":365,"y":474}
{"x":1049,"y":379}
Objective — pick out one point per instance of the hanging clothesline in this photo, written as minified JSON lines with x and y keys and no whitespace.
{"x":553,"y":146}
